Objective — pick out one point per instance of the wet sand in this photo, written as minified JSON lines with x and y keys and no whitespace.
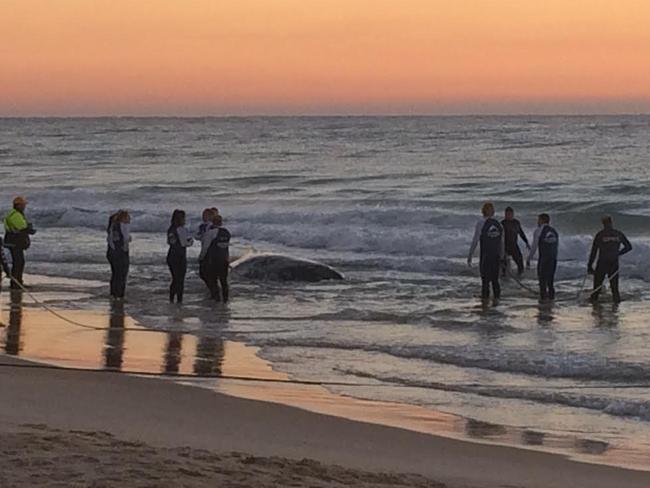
{"x":166,"y":419}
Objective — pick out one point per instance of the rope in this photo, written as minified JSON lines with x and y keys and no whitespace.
{"x":95,"y":327}
{"x":522,"y":285}
{"x":383,"y":384}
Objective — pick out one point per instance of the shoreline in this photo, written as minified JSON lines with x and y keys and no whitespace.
{"x":45,"y":339}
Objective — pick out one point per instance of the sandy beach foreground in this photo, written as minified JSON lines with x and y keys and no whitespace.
{"x":80,"y":428}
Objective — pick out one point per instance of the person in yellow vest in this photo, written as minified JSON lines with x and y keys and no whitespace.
{"x":17,"y":240}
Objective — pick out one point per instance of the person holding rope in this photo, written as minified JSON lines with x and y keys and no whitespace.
{"x":17,"y":238}
{"x":489,"y":233}
{"x":607,"y":246}
{"x":546,"y":241}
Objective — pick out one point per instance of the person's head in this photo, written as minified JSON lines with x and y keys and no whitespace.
{"x":510,"y":213}
{"x":488,"y":209}
{"x":607,"y":221}
{"x":206,"y":216}
{"x":20,"y":203}
{"x":122,"y":217}
{"x":215,"y":210}
{"x":178,"y":218}
{"x":217,"y":220}
{"x":543,"y":219}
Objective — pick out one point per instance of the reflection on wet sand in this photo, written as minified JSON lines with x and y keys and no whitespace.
{"x":172,"y":359}
{"x":114,"y":345}
{"x":481,"y":430}
{"x":13,"y":344}
{"x":545,"y":314}
{"x":606,"y":317}
{"x":205,"y":355}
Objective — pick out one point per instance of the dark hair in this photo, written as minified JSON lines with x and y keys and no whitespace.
{"x":510,"y":209}
{"x":177,"y":218}
{"x":608,"y":221}
{"x":545,"y":218}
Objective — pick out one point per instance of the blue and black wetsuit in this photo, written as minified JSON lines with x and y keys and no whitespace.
{"x":215,"y":255}
{"x":607,"y":245}
{"x":547,"y":241}
{"x":489,"y":234}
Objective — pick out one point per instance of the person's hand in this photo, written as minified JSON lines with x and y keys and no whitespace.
{"x":528,"y":246}
{"x":590,"y":270}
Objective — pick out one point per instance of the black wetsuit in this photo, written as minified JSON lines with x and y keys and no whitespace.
{"x":607,"y":245}
{"x":177,"y":262}
{"x":512,"y":231}
{"x":217,"y":263}
{"x":547,"y":263}
{"x":491,"y":247}
{"x":118,"y":257}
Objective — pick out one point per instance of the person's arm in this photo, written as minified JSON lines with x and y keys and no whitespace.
{"x":592,"y":254}
{"x":627,"y":247}
{"x":533,"y":247}
{"x":522,"y":234}
{"x":184,"y":238}
{"x":206,"y":240}
{"x":502,"y":244}
{"x":475,"y":240}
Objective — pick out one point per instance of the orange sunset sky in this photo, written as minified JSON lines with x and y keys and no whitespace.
{"x":218,"y":57}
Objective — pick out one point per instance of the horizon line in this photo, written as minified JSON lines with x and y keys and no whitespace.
{"x":299,"y":115}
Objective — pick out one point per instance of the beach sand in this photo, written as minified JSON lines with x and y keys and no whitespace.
{"x":104,"y":429}
{"x":92,"y":428}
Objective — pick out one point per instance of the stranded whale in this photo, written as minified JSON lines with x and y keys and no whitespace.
{"x":276,"y":267}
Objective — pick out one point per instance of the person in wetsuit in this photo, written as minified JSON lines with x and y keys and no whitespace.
{"x":546,"y":239}
{"x":206,"y":224}
{"x":512,"y":230}
{"x":608,"y":245}
{"x":489,"y":234}
{"x":179,"y":240}
{"x":118,"y":239}
{"x":215,"y":255}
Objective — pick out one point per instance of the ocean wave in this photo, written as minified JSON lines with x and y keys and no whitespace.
{"x":545,"y":364}
{"x":612,"y":405}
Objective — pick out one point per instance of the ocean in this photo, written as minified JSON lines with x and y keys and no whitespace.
{"x":391,"y":202}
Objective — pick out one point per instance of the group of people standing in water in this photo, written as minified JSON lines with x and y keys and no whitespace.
{"x":214,"y":259}
{"x":498,"y":241}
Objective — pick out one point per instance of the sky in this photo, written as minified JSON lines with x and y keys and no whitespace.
{"x":281,"y":57}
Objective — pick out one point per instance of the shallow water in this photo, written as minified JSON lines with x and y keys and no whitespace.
{"x":391,"y":203}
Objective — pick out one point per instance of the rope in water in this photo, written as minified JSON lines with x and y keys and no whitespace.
{"x":580,"y":291}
